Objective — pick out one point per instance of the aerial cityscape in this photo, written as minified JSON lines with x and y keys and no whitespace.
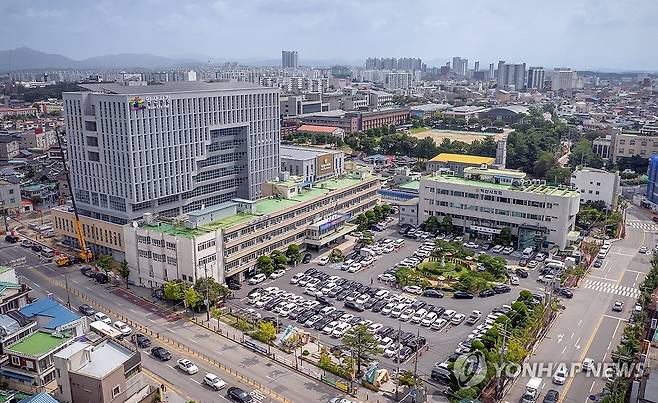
{"x":339,"y":201}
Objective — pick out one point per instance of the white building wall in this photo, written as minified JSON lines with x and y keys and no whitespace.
{"x":597,"y":185}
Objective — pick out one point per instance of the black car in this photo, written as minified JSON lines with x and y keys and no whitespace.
{"x":370,"y":303}
{"x":319,"y":325}
{"x":11,"y":238}
{"x":303,"y":317}
{"x":233,"y":285}
{"x":343,"y":294}
{"x":157,"y":293}
{"x":36,"y":247}
{"x":307,"y":258}
{"x":462,"y":295}
{"x":565,"y":292}
{"x":502,"y":289}
{"x":87,"y":271}
{"x":142,"y":341}
{"x":416,"y":344}
{"x":341,"y":282}
{"x":324,"y":301}
{"x":521,"y":273}
{"x":406,"y":337}
{"x":86,"y":310}
{"x":385,"y":331}
{"x":552,"y":396}
{"x":101,"y":278}
{"x":334,"y":292}
{"x":271,"y":304}
{"x":439,"y":310}
{"x":238,"y":395}
{"x":598,"y":263}
{"x":310,"y":271}
{"x":418,"y":304}
{"x":276,"y":322}
{"x":432,"y":293}
{"x":379,"y":305}
{"x":404,"y":354}
{"x":486,"y":293}
{"x":354,"y":306}
{"x":161,"y":353}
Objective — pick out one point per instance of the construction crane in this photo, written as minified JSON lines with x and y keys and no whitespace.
{"x":85,"y":253}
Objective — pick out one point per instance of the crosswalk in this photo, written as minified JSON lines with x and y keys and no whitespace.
{"x":612,"y":288}
{"x":257,"y":395}
{"x":643,"y":225}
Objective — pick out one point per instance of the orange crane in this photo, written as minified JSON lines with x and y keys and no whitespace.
{"x":85,"y":254}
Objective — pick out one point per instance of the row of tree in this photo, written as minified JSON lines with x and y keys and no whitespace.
{"x":278,"y":260}
{"x":193,"y":295}
{"x":372,"y":217}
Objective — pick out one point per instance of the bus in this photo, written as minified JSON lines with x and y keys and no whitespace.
{"x":103,"y":329}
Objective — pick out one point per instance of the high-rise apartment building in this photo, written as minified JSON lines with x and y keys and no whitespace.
{"x":535,"y":78}
{"x":511,"y":74}
{"x":477,"y":66}
{"x":397,"y":80}
{"x":459,"y":66}
{"x":289,"y":59}
{"x":391,"y":63}
{"x":170,"y":148}
{"x":492,"y":72}
{"x":563,"y":79}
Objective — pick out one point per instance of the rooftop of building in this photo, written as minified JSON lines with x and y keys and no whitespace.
{"x":413,"y":185}
{"x":431,"y":107}
{"x":316,"y":128}
{"x":503,"y":173}
{"x":171,"y":87}
{"x":105,"y":358}
{"x":547,"y":190}
{"x":304,"y":153}
{"x":262,"y":207}
{"x":512,"y":108}
{"x":46,"y":307}
{"x":463,"y":159}
{"x":38,"y":344}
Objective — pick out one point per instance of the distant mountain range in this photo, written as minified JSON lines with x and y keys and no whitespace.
{"x":30,"y":59}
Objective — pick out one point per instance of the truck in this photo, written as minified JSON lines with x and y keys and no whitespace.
{"x":531,"y":391}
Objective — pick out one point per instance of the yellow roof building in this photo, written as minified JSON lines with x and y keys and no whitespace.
{"x":463,"y":159}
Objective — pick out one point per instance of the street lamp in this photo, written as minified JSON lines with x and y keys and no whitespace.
{"x":207,"y":301}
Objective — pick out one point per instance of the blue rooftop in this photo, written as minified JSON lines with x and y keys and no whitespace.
{"x":40,"y":398}
{"x":46,"y":307}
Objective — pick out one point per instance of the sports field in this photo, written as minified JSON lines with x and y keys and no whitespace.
{"x":466,"y":137}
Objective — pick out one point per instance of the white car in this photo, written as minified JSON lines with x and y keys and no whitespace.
{"x":386,"y":310}
{"x":327,"y":310}
{"x":214,"y":381}
{"x":123,"y":328}
{"x":374,"y":327}
{"x":392,"y":350}
{"x":187,"y":366}
{"x":419,"y":315}
{"x":253,"y":298}
{"x":277,"y":274}
{"x":514,"y":280}
{"x":448,"y":314}
{"x":367,"y":261}
{"x":386,"y":277}
{"x":588,"y":364}
{"x":329,"y":328}
{"x":295,"y":279}
{"x":330,"y":286}
{"x":439,"y":324}
{"x":471,"y":245}
{"x":497,"y":249}
{"x":313,"y":292}
{"x":382,"y":294}
{"x":407,"y":314}
{"x":323,"y":260}
{"x":429,"y":319}
{"x":385,"y":343}
{"x":354,"y":267}
{"x":346,"y":317}
{"x":340,"y":330}
{"x":458,"y":319}
{"x":258,"y":278}
{"x":261,"y":302}
{"x":362,"y":299}
{"x":643,"y":249}
{"x":508,"y":250}
{"x":413,"y":289}
{"x":560,"y":375}
{"x":103,"y":318}
{"x":285,"y":311}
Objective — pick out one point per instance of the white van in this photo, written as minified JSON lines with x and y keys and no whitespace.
{"x":397,"y":310}
{"x":367,"y":252}
{"x":527,"y":253}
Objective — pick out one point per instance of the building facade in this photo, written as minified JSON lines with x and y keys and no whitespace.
{"x":511,"y":75}
{"x":289,"y":59}
{"x":596,"y":185}
{"x":628,"y":145}
{"x":10,"y":147}
{"x":457,"y":162}
{"x":535,"y":78}
{"x":102,"y":237}
{"x":312,"y":164}
{"x":10,"y":195}
{"x":225,"y":242}
{"x":652,"y":190}
{"x":169,"y":148}
{"x":486,"y":200}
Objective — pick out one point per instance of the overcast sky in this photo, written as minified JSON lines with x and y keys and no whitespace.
{"x":613,"y":34}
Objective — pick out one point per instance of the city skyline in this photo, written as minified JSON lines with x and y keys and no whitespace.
{"x":578,"y":36}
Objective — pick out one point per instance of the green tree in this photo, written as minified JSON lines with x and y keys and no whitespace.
{"x":336,"y":256}
{"x":505,"y":236}
{"x":431,"y":224}
{"x":362,"y":343}
{"x":582,"y":154}
{"x":279,"y":259}
{"x":544,"y":163}
{"x":367,"y":238}
{"x":124,"y":271}
{"x":266,"y":331}
{"x":192,"y":298}
{"x":265,"y":265}
{"x":173,"y":290}
{"x":216,"y":291}
{"x":105,"y":263}
{"x":446,"y":224}
{"x":293,"y":253}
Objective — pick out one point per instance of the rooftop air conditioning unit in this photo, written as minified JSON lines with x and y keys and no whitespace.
{"x":148,"y":218}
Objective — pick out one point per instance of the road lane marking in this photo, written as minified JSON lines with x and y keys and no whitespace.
{"x":615,"y":317}
{"x":592,"y":387}
{"x":567,"y":385}
{"x":197,"y":382}
{"x":564,"y":349}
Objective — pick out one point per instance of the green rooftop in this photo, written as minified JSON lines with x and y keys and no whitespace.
{"x":38,"y":344}
{"x":537,"y":189}
{"x":413,"y":185}
{"x":175,"y":230}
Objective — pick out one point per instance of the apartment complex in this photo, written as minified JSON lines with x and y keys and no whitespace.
{"x":289,"y":59}
{"x":511,"y":75}
{"x":536,"y":76}
{"x":108,"y":371}
{"x":486,"y":200}
{"x":226,"y":241}
{"x":170,"y":148}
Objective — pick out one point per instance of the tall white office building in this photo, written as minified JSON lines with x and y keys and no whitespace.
{"x":563,"y":79}
{"x":397,"y":80}
{"x":535,"y":78}
{"x":289,"y":59}
{"x":511,"y":75}
{"x":170,"y":148}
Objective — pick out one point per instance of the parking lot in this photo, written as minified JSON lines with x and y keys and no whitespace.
{"x":439,"y":338}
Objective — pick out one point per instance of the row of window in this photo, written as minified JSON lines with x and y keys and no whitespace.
{"x":489,"y":197}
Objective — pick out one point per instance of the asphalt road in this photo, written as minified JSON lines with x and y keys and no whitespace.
{"x":440,"y":343}
{"x":285,"y":382}
{"x":588,"y":328}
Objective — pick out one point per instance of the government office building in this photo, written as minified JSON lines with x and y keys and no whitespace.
{"x":486,"y":200}
{"x":170,"y":148}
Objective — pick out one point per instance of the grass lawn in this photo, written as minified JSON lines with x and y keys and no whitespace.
{"x":419,"y":129}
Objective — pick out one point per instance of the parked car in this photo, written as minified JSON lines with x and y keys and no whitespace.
{"x":354,"y":306}
{"x":323,"y":260}
{"x":618,"y":306}
{"x":502,"y":289}
{"x":36,"y":247}
{"x":277,"y":273}
{"x":238,"y":395}
{"x":413,"y":289}
{"x":123,"y":328}
{"x":26,"y":243}
{"x":486,"y":293}
{"x":103,"y":318}
{"x":565,"y":292}
{"x":187,"y":366}
{"x":142,"y":341}
{"x":161,"y":353}
{"x":86,"y":310}
{"x":508,"y":250}
{"x":215,"y":382}
{"x":521,"y":273}
{"x":462,"y":295}
{"x":258,"y":278}
{"x":432,"y":293}
{"x":307,"y":258}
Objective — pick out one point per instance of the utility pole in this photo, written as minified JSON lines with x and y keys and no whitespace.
{"x":66,"y":285}
{"x":416,"y":364}
{"x":205,"y":267}
{"x":501,"y":361}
